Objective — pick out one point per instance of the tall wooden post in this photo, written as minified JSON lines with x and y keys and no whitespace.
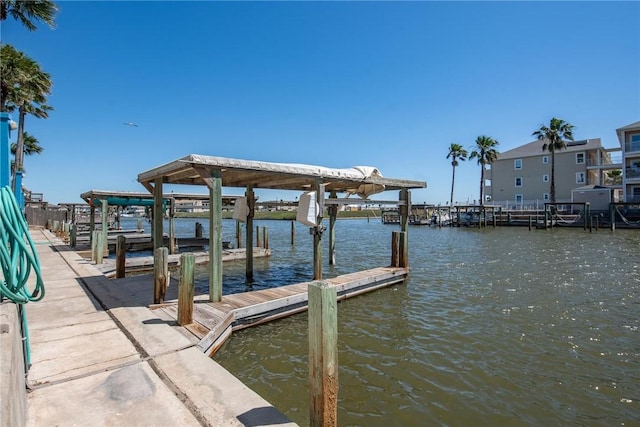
{"x":258,"y":237}
{"x":333,"y":215}
{"x":403,"y":246}
{"x":265,"y":238}
{"x":172,"y":227}
{"x":73,"y":234}
{"x":215,"y":236}
{"x":323,"y":355}
{"x":249,"y":245}
{"x":121,"y":256}
{"x":293,"y":233}
{"x":160,"y":274}
{"x":97,"y":247}
{"x":186,"y":289}
{"x":317,"y":233}
{"x":157,"y":214}
{"x":238,"y":234}
{"x":394,"y":248}
{"x":105,"y":222}
{"x":92,"y":222}
{"x":403,"y":243}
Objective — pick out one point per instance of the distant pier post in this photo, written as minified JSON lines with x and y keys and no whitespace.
{"x":121,"y":256}
{"x":265,"y":238}
{"x":73,"y":235}
{"x":198,"y":230}
{"x":612,"y":216}
{"x":258,"y":237}
{"x":105,"y":226}
{"x":238,"y":234}
{"x":160,"y":274}
{"x":293,"y":232}
{"x":186,"y":289}
{"x":323,"y":355}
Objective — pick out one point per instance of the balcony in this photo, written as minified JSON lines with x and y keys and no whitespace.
{"x":610,"y":160}
{"x":632,"y":147}
{"x":632,"y":173}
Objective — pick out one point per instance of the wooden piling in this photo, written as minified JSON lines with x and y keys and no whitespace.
{"x":198,"y":230}
{"x":238,"y":234}
{"x":323,"y":355}
{"x":293,"y":232}
{"x":94,"y":246}
{"x":265,"y":237}
{"x":160,"y":274}
{"x":394,"y":248}
{"x":173,"y":247}
{"x":258,"y":237}
{"x":186,"y":289}
{"x":612,"y":216}
{"x":403,"y":247}
{"x":73,"y":236}
{"x":121,"y":256}
{"x":530,"y":222}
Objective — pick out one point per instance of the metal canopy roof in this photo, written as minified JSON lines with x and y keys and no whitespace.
{"x":132,"y":198}
{"x":197,"y":169}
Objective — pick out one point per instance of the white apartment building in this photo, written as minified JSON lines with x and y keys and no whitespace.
{"x":629,"y":138}
{"x":523,"y":175}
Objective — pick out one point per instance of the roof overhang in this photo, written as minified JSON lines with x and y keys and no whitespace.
{"x":197,"y":169}
{"x":132,"y":198}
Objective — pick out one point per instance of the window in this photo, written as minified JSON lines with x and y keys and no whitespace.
{"x":545,"y":159}
{"x":579,"y":158}
{"x":579,"y":177}
{"x":545,"y":196}
{"x":518,"y":198}
{"x":518,"y":181}
{"x":545,"y":178}
{"x":517,"y":164}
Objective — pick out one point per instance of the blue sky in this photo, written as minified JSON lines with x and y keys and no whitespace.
{"x":337,"y":84}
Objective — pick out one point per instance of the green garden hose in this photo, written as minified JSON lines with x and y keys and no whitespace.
{"x":18,"y":257}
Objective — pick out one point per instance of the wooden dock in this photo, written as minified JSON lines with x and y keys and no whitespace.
{"x":215,"y":321}
{"x":145,"y":263}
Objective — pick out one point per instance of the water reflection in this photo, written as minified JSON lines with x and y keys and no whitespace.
{"x":494,"y":327}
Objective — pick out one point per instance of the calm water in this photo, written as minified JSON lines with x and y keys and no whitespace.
{"x":500,"y":326}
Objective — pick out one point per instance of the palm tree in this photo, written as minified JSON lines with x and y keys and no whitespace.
{"x":28,"y":11}
{"x":615,"y":176}
{"x":31,"y":146}
{"x":456,"y":152}
{"x":486,"y":154}
{"x":553,"y":137}
{"x":24,"y":88}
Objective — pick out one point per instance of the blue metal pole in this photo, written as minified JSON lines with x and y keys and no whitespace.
{"x":5,"y":150}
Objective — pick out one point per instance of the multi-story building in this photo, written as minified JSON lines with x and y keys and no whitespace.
{"x":522,"y":176}
{"x":629,"y":137}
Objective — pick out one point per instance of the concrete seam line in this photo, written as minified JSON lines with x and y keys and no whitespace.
{"x":188,"y":403}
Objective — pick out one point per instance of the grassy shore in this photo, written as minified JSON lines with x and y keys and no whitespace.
{"x":284,"y":215}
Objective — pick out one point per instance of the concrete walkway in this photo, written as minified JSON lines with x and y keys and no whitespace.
{"x":98,"y":359}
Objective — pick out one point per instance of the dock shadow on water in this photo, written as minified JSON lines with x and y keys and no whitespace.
{"x":494,"y":327}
